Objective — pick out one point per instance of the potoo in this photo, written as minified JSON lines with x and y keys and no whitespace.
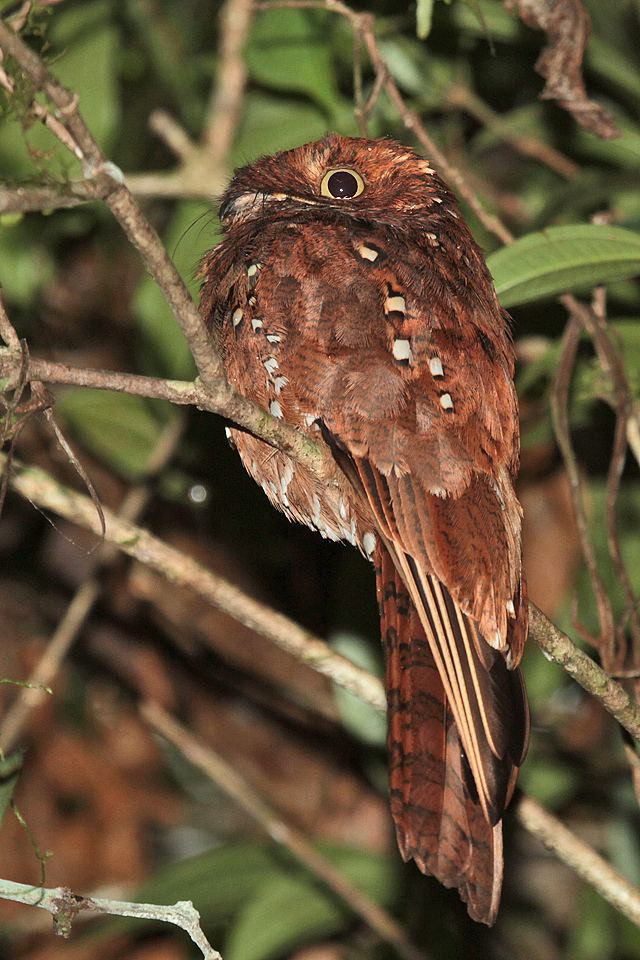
{"x":349,"y":298}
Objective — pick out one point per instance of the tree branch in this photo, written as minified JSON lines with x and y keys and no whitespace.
{"x":39,"y":487}
{"x":580,"y":857}
{"x":64,"y":906}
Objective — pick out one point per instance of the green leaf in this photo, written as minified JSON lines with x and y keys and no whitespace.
{"x":424,"y":15}
{"x":272,"y":123}
{"x":563,"y":258}
{"x":87,"y":35}
{"x":9,"y":772}
{"x":289,"y":50}
{"x":359,"y":718}
{"x":26,"y":263}
{"x":296,"y":908}
{"x":623,"y":152}
{"x":218,"y":882}
{"x":192,"y":231}
{"x":120,"y":429}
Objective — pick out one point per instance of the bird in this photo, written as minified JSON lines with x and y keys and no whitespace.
{"x":348,"y":298}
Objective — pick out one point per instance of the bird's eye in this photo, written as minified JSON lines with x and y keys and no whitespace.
{"x":341,"y":183}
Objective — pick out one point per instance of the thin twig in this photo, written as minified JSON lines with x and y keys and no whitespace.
{"x":225,"y":105}
{"x":42,"y":489}
{"x":64,"y":906}
{"x":306,"y":450}
{"x":7,"y":330}
{"x":26,"y":198}
{"x":594,"y":321}
{"x":240,"y":790}
{"x":461,"y":96}
{"x":560,"y":412}
{"x":573,"y":851}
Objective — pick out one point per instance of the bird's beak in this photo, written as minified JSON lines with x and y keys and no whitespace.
{"x":252,"y":204}
{"x":248,"y":205}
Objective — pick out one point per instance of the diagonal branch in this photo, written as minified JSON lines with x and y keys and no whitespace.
{"x":39,"y":487}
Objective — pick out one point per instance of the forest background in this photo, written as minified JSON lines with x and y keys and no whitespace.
{"x":184,"y":720}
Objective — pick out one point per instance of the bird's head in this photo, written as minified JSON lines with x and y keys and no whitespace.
{"x":378,"y":181}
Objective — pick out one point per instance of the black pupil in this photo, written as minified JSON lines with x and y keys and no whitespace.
{"x":342,"y":185}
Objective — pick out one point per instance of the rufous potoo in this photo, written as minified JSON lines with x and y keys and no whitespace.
{"x":349,"y":298}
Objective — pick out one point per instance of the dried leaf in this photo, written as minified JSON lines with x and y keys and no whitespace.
{"x":568,"y":28}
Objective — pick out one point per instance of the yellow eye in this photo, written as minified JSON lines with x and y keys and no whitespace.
{"x":341,"y":183}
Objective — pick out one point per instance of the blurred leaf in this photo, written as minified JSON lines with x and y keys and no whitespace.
{"x":623,"y":152}
{"x":291,"y":910}
{"x":192,"y":231}
{"x":87,"y":35}
{"x":612,"y":64}
{"x":24,"y":264}
{"x":272,"y":123}
{"x":10,"y":768}
{"x":487,"y":18}
{"x":120,"y":429}
{"x":563,"y":258}
{"x":366,"y":723}
{"x":550,"y":782}
{"x":424,"y":15}
{"x":289,"y":50}
{"x":592,"y":930}
{"x":218,"y":882}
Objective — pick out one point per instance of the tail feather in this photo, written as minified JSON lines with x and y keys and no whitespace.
{"x":445,"y":820}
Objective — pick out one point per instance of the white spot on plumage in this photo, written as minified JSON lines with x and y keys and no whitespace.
{"x":227,"y":433}
{"x":253,"y":268}
{"x":237,"y":316}
{"x":271,"y":365}
{"x":511,"y":610}
{"x":369,"y":543}
{"x":496,"y":641}
{"x":310,"y":419}
{"x":402,"y":350}
{"x":446,"y":402}
{"x":252,"y":301}
{"x":342,"y":509}
{"x":256,"y":323}
{"x":275,"y":409}
{"x":435,"y":366}
{"x":395,"y":304}
{"x":273,"y":338}
{"x":279,"y":383}
{"x":368,"y":253}
{"x":285,"y":480}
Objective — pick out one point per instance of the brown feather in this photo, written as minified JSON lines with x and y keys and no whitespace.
{"x":437,"y":823}
{"x":372,"y":321}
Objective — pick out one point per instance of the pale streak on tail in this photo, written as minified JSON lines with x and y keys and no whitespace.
{"x":438,"y":821}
